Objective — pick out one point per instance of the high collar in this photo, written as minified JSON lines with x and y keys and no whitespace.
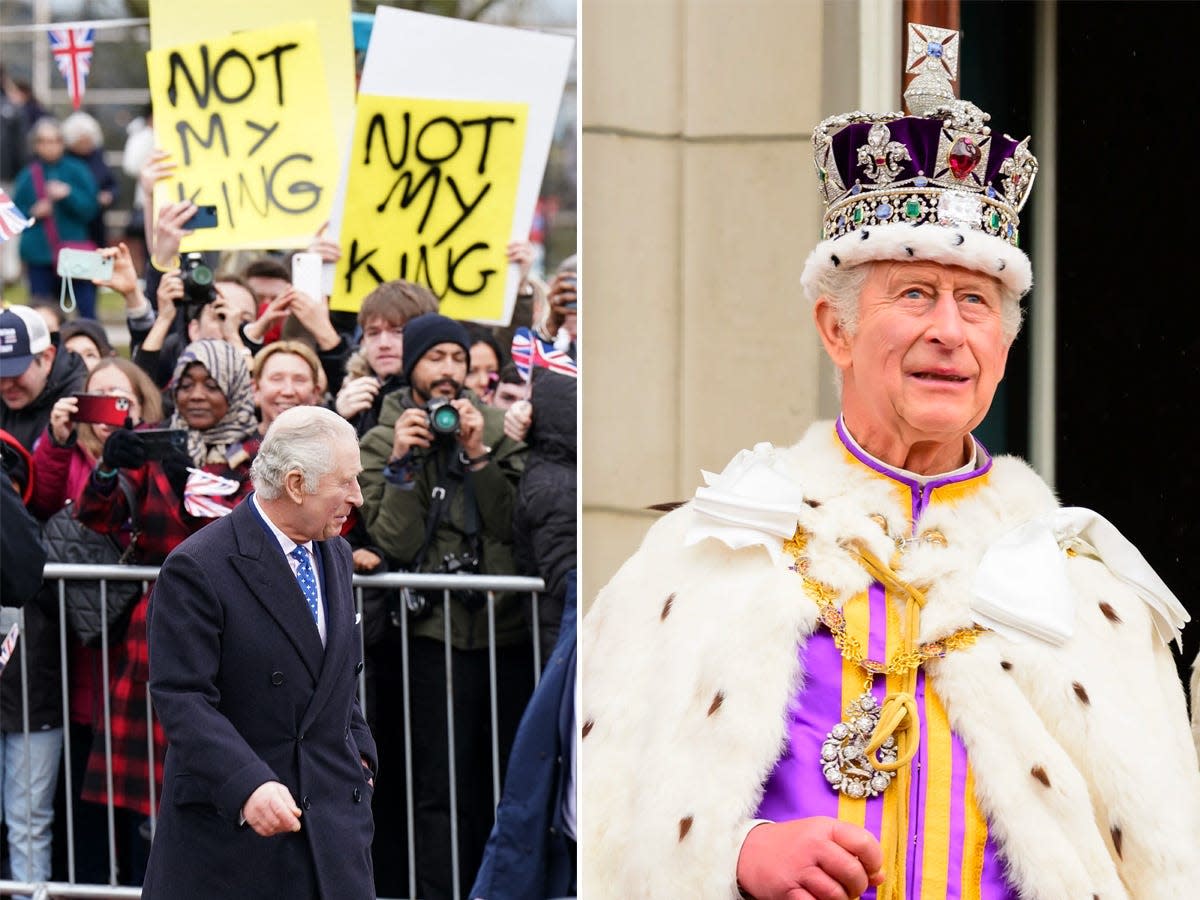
{"x":920,"y":488}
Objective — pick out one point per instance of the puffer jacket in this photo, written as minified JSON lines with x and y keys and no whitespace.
{"x":544,"y":523}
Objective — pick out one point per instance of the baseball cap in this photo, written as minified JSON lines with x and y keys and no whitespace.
{"x":23,"y":335}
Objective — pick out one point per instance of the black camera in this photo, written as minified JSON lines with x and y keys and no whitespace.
{"x":197,"y":276}
{"x":443,"y":418}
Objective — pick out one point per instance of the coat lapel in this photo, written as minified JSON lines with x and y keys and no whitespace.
{"x":261,"y":565}
{"x":339,"y":619}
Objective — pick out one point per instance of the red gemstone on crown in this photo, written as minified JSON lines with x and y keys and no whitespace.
{"x":964,"y":157}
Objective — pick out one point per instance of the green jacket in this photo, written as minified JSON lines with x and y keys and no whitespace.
{"x":396,"y":518}
{"x":72,"y":214}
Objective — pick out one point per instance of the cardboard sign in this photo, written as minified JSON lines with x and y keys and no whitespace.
{"x":247,"y":119}
{"x":430,"y":196}
{"x":173,"y":23}
{"x":415,"y":55}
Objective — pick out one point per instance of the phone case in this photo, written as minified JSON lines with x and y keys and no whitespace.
{"x":85,"y":264}
{"x":101,"y":409}
{"x":306,"y":274}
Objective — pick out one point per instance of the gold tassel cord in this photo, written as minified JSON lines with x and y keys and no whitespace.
{"x":899,"y":716}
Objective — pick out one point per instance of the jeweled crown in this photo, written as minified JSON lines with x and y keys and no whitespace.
{"x":941,"y":164}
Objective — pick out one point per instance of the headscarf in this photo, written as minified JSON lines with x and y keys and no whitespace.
{"x":226,"y":365}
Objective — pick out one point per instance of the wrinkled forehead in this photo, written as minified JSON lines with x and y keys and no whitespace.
{"x":890,"y":271}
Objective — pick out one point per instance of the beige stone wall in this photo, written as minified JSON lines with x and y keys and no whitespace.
{"x":699,"y":208}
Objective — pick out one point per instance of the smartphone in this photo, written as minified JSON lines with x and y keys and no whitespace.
{"x":163,"y":442}
{"x":205,"y":217}
{"x":573,"y":281}
{"x":102,"y":409}
{"x":306,"y":274}
{"x":86,"y":264}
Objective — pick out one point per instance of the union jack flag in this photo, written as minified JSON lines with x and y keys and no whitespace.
{"x":201,"y":489}
{"x":72,"y":49}
{"x":9,"y":645}
{"x":529,"y":351}
{"x":12,"y":220}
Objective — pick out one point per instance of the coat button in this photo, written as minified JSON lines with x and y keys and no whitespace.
{"x":358,"y":667}
{"x":357,"y":795}
{"x":306,"y":803}
{"x":277,"y":678}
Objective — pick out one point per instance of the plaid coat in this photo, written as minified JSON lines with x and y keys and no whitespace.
{"x":164,"y":524}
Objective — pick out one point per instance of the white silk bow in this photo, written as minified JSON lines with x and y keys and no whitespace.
{"x":1021,"y":586}
{"x":750,"y":503}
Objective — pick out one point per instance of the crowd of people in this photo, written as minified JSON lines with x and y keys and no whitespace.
{"x":468,"y":467}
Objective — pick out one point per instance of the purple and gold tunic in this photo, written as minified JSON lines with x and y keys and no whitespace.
{"x":949,"y":852}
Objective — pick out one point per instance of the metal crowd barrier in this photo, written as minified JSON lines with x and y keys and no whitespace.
{"x":62,"y":573}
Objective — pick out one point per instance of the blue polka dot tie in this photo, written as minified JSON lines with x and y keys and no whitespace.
{"x":308,"y":581}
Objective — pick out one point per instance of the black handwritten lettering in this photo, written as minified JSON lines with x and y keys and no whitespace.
{"x":246,"y":197}
{"x":452,"y":284}
{"x":409,"y":193}
{"x":228,"y":205}
{"x":422,"y":153}
{"x":216,"y":128}
{"x":487,"y":123}
{"x":296,"y":188}
{"x":229,"y":54}
{"x":426,"y":157}
{"x":378,"y":123}
{"x":277,"y":52}
{"x":264,"y":131}
{"x":176,"y":63}
{"x":464,"y":208}
{"x":356,"y":262}
{"x":183,"y":195}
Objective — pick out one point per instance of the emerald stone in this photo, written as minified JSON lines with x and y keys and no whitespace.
{"x":995,"y":220}
{"x":858,"y":214}
{"x":912,"y":209}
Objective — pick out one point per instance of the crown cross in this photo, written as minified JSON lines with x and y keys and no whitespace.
{"x":880,"y":156}
{"x":932,"y":51}
{"x":933,"y":59}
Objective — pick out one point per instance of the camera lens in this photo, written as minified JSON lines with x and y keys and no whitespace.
{"x":444,"y":419}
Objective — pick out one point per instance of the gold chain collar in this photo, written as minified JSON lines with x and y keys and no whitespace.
{"x":904,"y":660}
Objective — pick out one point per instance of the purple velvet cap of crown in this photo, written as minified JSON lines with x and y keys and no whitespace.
{"x":920,"y":136}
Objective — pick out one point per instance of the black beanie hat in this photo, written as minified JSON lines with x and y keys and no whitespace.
{"x":429,"y":330}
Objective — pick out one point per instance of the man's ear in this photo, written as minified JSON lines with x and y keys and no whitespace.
{"x":833,"y":333}
{"x":293,"y":485}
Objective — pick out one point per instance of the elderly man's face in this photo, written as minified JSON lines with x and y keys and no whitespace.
{"x":928,"y":353}
{"x":323,"y":514}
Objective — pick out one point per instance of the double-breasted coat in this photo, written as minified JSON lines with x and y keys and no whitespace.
{"x":247,"y":695}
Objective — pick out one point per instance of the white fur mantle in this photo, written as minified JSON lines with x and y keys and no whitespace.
{"x":690,"y":659}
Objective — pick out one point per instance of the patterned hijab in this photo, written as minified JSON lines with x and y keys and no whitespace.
{"x":225,"y":364}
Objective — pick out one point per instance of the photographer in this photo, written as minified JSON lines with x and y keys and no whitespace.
{"x":438,"y":481}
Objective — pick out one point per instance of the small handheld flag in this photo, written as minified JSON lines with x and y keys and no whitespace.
{"x":12,"y":220}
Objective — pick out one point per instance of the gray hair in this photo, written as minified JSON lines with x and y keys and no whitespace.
{"x":842,"y":287}
{"x":304,"y":438}
{"x":80,"y":124}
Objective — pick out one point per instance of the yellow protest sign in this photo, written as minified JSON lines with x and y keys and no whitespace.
{"x":246,"y":118}
{"x":430,"y":196}
{"x":173,"y":23}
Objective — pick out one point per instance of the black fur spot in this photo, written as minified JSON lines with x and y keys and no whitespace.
{"x":836,"y":261}
{"x":909,"y":251}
